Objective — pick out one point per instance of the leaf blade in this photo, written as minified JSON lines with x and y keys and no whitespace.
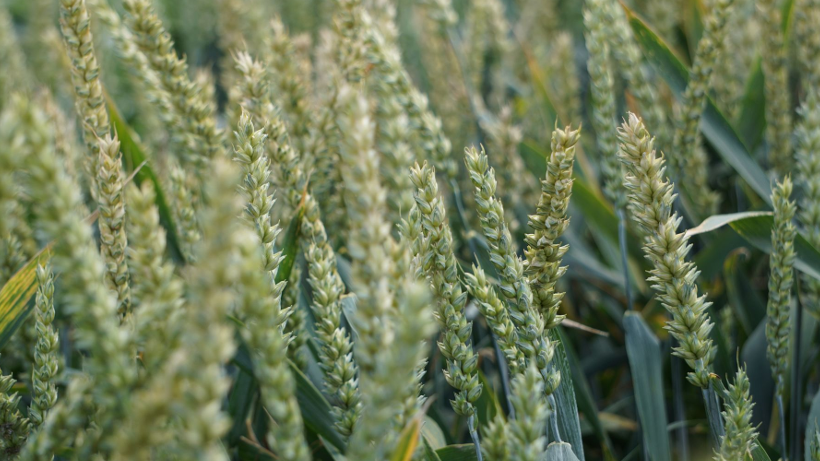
{"x":408,"y":441}
{"x":566,"y":404}
{"x":646,"y":366}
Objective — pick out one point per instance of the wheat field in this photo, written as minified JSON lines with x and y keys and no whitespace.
{"x":436,"y":230}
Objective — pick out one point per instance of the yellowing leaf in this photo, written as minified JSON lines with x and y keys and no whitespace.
{"x":15,"y":297}
{"x":408,"y":441}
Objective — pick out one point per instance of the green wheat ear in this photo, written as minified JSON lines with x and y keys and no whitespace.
{"x":336,"y":346}
{"x":441,"y":271}
{"x":602,"y":90}
{"x":46,"y":358}
{"x":775,"y":73}
{"x":740,"y":436}
{"x":527,"y":439}
{"x":90,"y":305}
{"x":688,"y":162}
{"x":814,"y":446}
{"x":781,"y":278}
{"x":533,"y":340}
{"x":549,"y":222}
{"x":650,"y":198}
{"x":103,"y":165}
{"x":15,"y":426}
{"x":807,"y":152}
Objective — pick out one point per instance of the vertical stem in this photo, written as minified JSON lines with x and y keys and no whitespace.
{"x":712,"y":409}
{"x":474,"y":436}
{"x":782,"y":432}
{"x":505,"y":376}
{"x":554,"y":419}
{"x":797,"y":381}
{"x":624,"y":263}
{"x":680,"y":410}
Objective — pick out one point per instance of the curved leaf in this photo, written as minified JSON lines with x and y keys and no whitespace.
{"x":717,"y":221}
{"x":432,"y":433}
{"x":716,"y":129}
{"x":560,"y":451}
{"x":756,"y":228}
{"x":487,"y":405}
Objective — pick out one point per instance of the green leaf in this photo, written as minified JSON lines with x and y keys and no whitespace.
{"x":408,"y":441}
{"x":585,"y":265}
{"x":759,"y":454}
{"x":747,"y":305}
{"x":429,"y":452}
{"x":711,"y":258}
{"x":316,"y":411}
{"x":646,"y":366}
{"x":550,"y":114}
{"x":247,"y":451}
{"x":432,"y":433}
{"x":812,"y":422}
{"x":756,"y":228}
{"x":566,"y":409}
{"x":717,"y":221}
{"x":751,"y":123}
{"x":133,"y":155}
{"x":586,"y":403}
{"x":15,"y":297}
{"x":290,"y":245}
{"x":240,"y":402}
{"x":716,"y":129}
{"x":753,"y":355}
{"x":560,"y":451}
{"x":460,"y":452}
{"x":487,"y":405}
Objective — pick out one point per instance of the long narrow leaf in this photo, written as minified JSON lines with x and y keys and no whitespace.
{"x":585,"y":401}
{"x":646,"y":366}
{"x":566,"y":406}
